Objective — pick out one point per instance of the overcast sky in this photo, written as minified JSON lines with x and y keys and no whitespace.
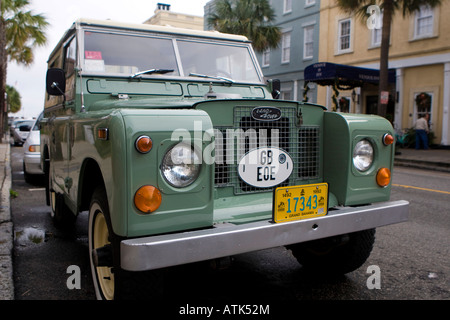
{"x":30,"y":81}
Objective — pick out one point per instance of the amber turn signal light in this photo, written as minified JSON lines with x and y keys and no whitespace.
{"x":144,"y":144}
{"x":103,"y":134}
{"x":147,"y":199}
{"x":383,"y":177}
{"x":388,"y":139}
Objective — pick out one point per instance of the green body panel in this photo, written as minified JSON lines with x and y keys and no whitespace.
{"x":181,"y":208}
{"x":342,"y":132}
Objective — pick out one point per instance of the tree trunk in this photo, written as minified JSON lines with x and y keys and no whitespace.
{"x":3,"y":62}
{"x":384,"y":55}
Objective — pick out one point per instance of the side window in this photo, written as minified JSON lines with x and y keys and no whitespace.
{"x":70,"y":58}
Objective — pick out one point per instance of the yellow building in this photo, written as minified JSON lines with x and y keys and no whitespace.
{"x":164,"y":17}
{"x":419,"y":54}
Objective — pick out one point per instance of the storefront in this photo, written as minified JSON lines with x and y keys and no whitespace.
{"x":349,"y":88}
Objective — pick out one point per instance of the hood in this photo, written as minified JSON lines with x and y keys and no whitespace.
{"x":141,"y":103}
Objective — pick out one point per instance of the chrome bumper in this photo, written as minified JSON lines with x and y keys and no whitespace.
{"x":227,"y":239}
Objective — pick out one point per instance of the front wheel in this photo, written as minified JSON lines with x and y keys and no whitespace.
{"x":99,"y":237}
{"x":110,"y":281}
{"x":335,"y":255}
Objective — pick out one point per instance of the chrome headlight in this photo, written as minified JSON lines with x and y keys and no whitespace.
{"x":363,"y":155}
{"x":181,"y":165}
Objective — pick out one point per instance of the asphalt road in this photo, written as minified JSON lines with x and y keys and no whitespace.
{"x":412,"y":258}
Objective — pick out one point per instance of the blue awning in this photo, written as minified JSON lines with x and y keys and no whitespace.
{"x":326,"y":73}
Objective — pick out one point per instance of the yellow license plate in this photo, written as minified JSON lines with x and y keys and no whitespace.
{"x":300,"y":202}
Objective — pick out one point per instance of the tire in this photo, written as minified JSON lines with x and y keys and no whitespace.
{"x":335,"y":255}
{"x":26,"y":175}
{"x":110,"y":281}
{"x":99,"y":236}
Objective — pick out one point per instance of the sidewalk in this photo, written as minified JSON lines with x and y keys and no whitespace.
{"x":6,"y":225}
{"x":431,"y":159}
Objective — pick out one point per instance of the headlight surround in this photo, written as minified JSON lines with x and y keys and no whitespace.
{"x":363,"y":155}
{"x":181,"y":165}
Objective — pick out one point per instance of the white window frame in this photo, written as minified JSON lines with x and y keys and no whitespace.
{"x":286,"y":46}
{"x":426,"y":13}
{"x":287,"y":6}
{"x":309,"y":3}
{"x":375,"y":40}
{"x":341,"y":36}
{"x":308,"y":42}
{"x":265,"y":59}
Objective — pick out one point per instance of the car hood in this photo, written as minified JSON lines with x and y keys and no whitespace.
{"x":144,"y":103}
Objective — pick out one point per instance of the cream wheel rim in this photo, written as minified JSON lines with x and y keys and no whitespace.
{"x":100,"y":235}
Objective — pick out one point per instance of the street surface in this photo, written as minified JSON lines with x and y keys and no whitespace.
{"x":412,"y":258}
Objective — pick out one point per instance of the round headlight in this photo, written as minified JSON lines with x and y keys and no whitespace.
{"x":181,"y":165}
{"x":363,"y":155}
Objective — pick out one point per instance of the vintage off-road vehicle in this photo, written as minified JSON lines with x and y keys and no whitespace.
{"x":181,"y":152}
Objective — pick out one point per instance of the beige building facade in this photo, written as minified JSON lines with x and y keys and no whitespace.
{"x":419,"y":54}
{"x":165,"y":17}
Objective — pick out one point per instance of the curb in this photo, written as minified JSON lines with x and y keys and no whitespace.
{"x":6,"y":229}
{"x":421,"y":164}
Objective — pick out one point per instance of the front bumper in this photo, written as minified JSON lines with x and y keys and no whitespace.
{"x":227,"y":239}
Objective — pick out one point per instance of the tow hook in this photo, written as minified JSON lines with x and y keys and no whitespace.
{"x":221,"y":263}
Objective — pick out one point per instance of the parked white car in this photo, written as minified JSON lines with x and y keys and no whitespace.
{"x":20,"y":130}
{"x":32,"y":152}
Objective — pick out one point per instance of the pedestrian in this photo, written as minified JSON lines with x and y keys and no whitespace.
{"x":422,"y":130}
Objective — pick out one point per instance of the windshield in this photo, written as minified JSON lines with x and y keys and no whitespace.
{"x":124,"y":54}
{"x":24,"y":123}
{"x":217,"y":60}
{"x":130,"y":55}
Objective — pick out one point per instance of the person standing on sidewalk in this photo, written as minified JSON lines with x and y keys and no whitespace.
{"x":422,"y":130}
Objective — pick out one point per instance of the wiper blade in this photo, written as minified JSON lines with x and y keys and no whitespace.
{"x":210,"y":77}
{"x":152,"y":71}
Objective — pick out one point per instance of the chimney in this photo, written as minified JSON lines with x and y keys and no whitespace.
{"x":163,"y":6}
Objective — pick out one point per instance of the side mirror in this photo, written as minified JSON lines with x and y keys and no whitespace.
{"x":276,"y":88}
{"x":56,"y":82}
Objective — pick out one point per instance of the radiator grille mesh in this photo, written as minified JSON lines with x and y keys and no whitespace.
{"x":302,"y":144}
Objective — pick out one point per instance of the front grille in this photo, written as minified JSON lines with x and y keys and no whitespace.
{"x":308,"y":154}
{"x":302,"y":144}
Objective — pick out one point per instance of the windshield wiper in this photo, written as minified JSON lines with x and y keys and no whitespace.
{"x":210,"y":77}
{"x":151,"y":71}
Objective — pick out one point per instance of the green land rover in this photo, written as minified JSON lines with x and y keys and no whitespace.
{"x":181,"y":152}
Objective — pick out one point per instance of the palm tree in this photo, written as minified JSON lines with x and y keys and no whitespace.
{"x":389,"y":7}
{"x":20,"y":32}
{"x":251,"y":18}
{"x":14,"y":102}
